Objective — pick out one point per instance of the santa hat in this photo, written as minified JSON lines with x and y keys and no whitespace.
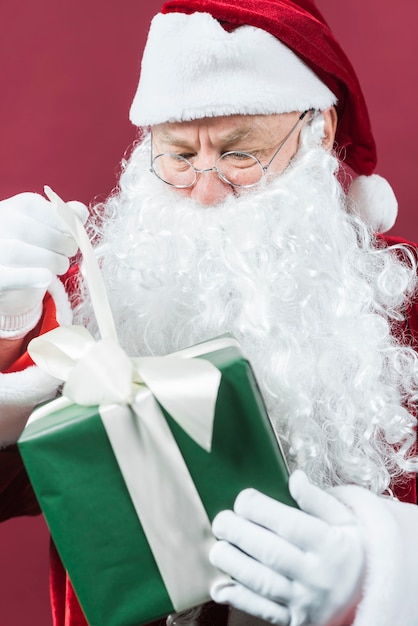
{"x":206,"y":58}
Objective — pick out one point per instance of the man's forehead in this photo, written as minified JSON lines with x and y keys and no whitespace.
{"x":226,"y":128}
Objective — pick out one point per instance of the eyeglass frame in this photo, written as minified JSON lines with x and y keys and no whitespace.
{"x":264,"y":168}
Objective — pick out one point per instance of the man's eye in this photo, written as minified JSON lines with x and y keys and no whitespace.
{"x":241,"y":156}
{"x":176,"y":161}
{"x":239,"y":159}
{"x":187,"y":155}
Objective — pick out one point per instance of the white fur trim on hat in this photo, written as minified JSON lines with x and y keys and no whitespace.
{"x":193,"y":68}
{"x":373,"y":200}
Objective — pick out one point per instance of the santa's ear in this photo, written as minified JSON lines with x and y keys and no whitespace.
{"x":330,"y":127}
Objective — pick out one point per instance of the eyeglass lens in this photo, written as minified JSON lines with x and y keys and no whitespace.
{"x":237,"y":168}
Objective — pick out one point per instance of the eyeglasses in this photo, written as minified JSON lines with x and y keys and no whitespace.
{"x":239,"y":169}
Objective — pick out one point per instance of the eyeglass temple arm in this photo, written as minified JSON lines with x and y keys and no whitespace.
{"x":151,"y":169}
{"x":300,"y":118}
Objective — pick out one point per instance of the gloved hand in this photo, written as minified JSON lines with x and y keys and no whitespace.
{"x":35,"y":245}
{"x":289,"y":566}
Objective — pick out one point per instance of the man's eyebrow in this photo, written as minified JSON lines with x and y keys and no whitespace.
{"x":237,"y":135}
{"x":171,"y":139}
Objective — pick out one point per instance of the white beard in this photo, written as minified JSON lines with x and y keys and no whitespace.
{"x":297,"y":282}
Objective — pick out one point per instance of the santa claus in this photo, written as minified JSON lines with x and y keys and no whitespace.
{"x":237,"y":212}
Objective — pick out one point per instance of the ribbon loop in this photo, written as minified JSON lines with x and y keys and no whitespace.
{"x":187,"y":389}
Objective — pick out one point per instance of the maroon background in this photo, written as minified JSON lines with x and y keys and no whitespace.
{"x":68,"y":73}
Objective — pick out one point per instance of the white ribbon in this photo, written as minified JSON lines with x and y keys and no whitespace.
{"x":165,"y":498}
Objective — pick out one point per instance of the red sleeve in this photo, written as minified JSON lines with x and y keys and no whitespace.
{"x":47,"y":322}
{"x":16,"y":494}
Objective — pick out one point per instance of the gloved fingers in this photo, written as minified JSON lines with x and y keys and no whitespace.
{"x":22,"y":278}
{"x":23,"y":228}
{"x":34,"y":206}
{"x":261,"y":544}
{"x":39,"y":208}
{"x":246,"y":600}
{"x":79,"y":209}
{"x":293,"y":525}
{"x":250,"y":573}
{"x":318,"y":502}
{"x":24,"y":255}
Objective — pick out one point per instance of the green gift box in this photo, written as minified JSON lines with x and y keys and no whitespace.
{"x":90,"y":511}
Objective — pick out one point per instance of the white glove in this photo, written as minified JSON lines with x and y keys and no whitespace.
{"x":35,"y":245}
{"x":289,"y":566}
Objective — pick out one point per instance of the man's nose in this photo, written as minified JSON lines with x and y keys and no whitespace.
{"x":209,"y":189}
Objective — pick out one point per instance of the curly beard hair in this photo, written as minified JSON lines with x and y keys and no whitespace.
{"x":302,"y":285}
